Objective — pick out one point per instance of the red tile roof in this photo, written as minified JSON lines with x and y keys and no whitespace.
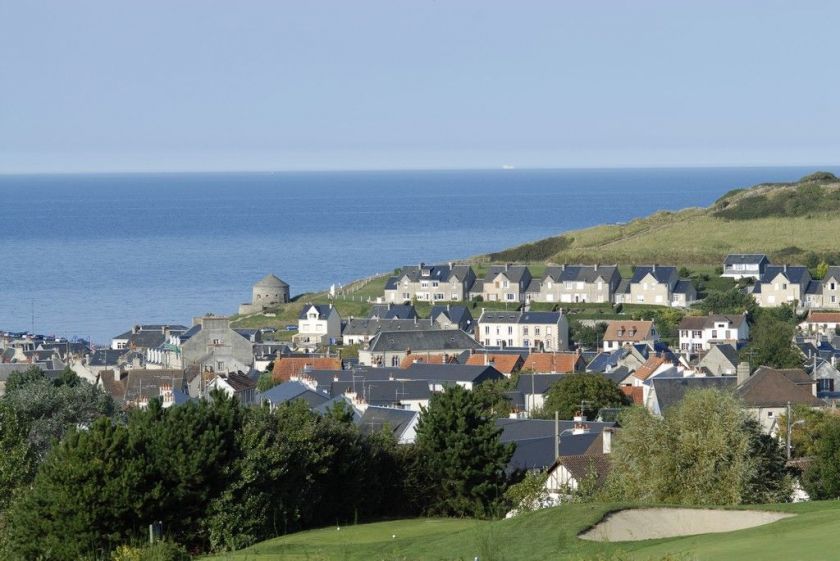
{"x":636,"y":393}
{"x":553,"y":362}
{"x":506,"y":364}
{"x":286,"y":367}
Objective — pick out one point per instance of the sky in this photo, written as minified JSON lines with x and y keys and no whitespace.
{"x":203,"y":85}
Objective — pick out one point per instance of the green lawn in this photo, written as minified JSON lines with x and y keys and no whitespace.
{"x":551,"y":535}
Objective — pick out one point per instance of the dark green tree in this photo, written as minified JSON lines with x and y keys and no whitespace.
{"x":772,"y":344}
{"x":594,"y":391}
{"x":17,"y":459}
{"x":266,"y":381}
{"x":822,"y":478}
{"x":732,"y":301}
{"x":492,"y":396}
{"x":463,"y":460}
{"x":587,"y":336}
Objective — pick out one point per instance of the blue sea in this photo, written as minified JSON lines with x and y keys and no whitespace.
{"x":91,"y":255}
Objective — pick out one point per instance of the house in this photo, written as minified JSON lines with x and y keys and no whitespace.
{"x":628,"y":357}
{"x":289,"y":367}
{"x":135,"y":388}
{"x":289,"y":392}
{"x":551,"y":363}
{"x":389,"y":348}
{"x":784,"y":284}
{"x":452,"y":317}
{"x":430,"y":283}
{"x":402,"y":423}
{"x":431,"y":358}
{"x":578,"y":283}
{"x":826,"y":375}
{"x":318,"y":325}
{"x":213,"y":345}
{"x":400,"y":394}
{"x":569,"y":472}
{"x":507,"y":363}
{"x":535,"y":388}
{"x":744,"y":265}
{"x":830,"y":289}
{"x":720,"y":360}
{"x":665,"y":392}
{"x":620,"y":333}
{"x":655,"y":365}
{"x":506,"y":283}
{"x":544,"y":331}
{"x":268,"y":292}
{"x":439,"y":376}
{"x":700,"y":333}
{"x":236,"y":385}
{"x":768,"y":391}
{"x":821,"y":323}
{"x":659,"y":285}
{"x":142,"y":337}
{"x":392,"y":311}
{"x":360,"y":331}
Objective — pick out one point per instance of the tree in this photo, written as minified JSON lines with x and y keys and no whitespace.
{"x":705,"y":451}
{"x":772,"y":344}
{"x":732,"y":301}
{"x":822,"y":270}
{"x":17,"y":459}
{"x":594,"y":391}
{"x":266,"y":381}
{"x":494,"y":402}
{"x":587,"y":336}
{"x":822,"y":478}
{"x":463,"y":460}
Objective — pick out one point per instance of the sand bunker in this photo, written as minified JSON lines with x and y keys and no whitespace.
{"x":652,"y":523}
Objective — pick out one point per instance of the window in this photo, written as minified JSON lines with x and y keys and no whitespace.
{"x":406,"y":296}
{"x":525,"y":330}
{"x":438,"y":296}
{"x":435,"y":284}
{"x":424,"y":284}
{"x":526,"y":343}
{"x":218,"y":342}
{"x":498,"y":331}
{"x":548,"y":331}
{"x":505,"y":284}
{"x":487,"y":330}
{"x":510,"y":296}
{"x":395,"y":360}
{"x":510,"y":342}
{"x":536,"y":331}
{"x":220,"y":366}
{"x":825,"y":385}
{"x":714,"y":333}
{"x":510,"y":330}
{"x":769,"y":413}
{"x":455,"y":296}
{"x":784,"y":286}
{"x":832,"y":286}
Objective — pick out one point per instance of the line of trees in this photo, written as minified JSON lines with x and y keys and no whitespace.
{"x":219,"y":476}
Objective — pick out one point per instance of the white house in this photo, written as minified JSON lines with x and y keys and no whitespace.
{"x":701,"y":333}
{"x":631,"y":332}
{"x":318,"y":324}
{"x":744,"y":265}
{"x":821,"y":323}
{"x":545,"y":331}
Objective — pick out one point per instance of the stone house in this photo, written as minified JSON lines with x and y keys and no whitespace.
{"x":453,"y":317}
{"x":824,"y":294}
{"x":578,"y":283}
{"x":389,"y":348}
{"x":823,"y":324}
{"x":357,"y":331}
{"x":782,"y":284}
{"x":720,"y":360}
{"x":211,"y":344}
{"x":543,"y":331}
{"x":745,"y":265}
{"x":700,"y":333}
{"x":235,"y":385}
{"x":506,"y":283}
{"x":768,"y":391}
{"x":430,"y":283}
{"x":659,"y":285}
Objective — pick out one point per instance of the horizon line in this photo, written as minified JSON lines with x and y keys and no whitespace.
{"x":508,"y":168}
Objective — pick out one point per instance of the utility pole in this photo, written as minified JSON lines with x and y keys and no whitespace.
{"x":789,"y":426}
{"x":556,"y":434}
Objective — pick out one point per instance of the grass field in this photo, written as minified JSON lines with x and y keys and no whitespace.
{"x":552,"y":535}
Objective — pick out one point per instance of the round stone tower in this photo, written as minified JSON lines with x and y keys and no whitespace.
{"x":270,"y":290}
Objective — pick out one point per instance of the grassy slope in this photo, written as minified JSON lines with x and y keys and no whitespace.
{"x":696,"y":236}
{"x":551,"y":535}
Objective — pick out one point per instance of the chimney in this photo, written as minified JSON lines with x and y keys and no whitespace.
{"x":507,"y":266}
{"x":596,"y":267}
{"x":785,"y":266}
{"x":743,"y":372}
{"x":654,"y":267}
{"x":606,"y":438}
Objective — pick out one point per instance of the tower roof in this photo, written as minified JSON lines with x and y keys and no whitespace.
{"x":271,"y":281}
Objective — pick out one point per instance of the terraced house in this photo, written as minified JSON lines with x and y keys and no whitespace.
{"x":545,"y":331}
{"x":504,"y":283}
{"x":782,"y":284}
{"x":701,"y":333}
{"x":577,"y":283}
{"x":824,"y":294}
{"x":430,"y":283}
{"x":660,"y":286}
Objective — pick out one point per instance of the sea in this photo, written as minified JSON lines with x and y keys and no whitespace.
{"x":88,"y":256}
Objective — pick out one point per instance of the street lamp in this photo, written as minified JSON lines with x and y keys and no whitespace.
{"x":790,"y":425}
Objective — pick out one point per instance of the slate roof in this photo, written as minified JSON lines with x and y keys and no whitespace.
{"x":441,"y":273}
{"x":150,"y":336}
{"x":393,"y":311}
{"x":770,"y":387}
{"x":292,"y":391}
{"x":451,"y":373}
{"x":525,"y":429}
{"x":419,"y":341}
{"x":537,"y":383}
{"x":370,"y":327}
{"x":745,"y":259}
{"x":670,"y":391}
{"x":384,"y":392}
{"x":662,"y":274}
{"x":728,"y":351}
{"x":538,"y":453}
{"x":553,"y":362}
{"x":376,"y":419}
{"x":616,"y":375}
{"x":794,"y":273}
{"x":142,"y":383}
{"x":683,"y":286}
{"x":538,"y":318}
{"x":580,"y":273}
{"x":239,"y":382}
{"x":324,"y":311}
{"x":456,"y":314}
{"x":515,"y":273}
{"x":814,"y":287}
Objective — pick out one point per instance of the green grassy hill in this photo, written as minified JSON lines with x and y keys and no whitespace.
{"x":552,"y":535}
{"x":787,"y":221}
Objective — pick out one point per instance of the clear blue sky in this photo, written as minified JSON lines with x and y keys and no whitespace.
{"x":107,"y":85}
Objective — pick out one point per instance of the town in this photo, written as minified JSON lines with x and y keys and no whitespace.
{"x":506,"y":327}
